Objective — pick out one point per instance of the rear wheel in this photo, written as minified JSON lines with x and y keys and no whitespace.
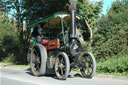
{"x":36,"y":62}
{"x":88,"y":65}
{"x":62,"y":66}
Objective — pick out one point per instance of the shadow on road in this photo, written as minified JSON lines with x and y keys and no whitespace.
{"x":51,"y":73}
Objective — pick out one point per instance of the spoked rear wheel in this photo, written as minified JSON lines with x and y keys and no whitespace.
{"x":35,"y":62}
{"x":62,"y":66}
{"x":88,"y":65}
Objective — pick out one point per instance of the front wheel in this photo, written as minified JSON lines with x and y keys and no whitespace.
{"x":62,"y":66}
{"x":88,"y":65}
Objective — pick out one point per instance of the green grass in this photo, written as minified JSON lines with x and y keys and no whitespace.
{"x":124,"y":74}
{"x":3,"y":64}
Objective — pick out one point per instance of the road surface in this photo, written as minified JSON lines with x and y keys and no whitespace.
{"x":10,"y":76}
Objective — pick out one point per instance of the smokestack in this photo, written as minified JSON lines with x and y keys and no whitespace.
{"x":72,"y":4}
{"x":72,"y":9}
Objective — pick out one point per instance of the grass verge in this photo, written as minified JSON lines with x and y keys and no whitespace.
{"x":3,"y":64}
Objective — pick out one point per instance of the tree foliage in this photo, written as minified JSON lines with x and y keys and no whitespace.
{"x":90,"y":11}
{"x":111,"y":36}
{"x":40,"y":8}
{"x":8,"y":39}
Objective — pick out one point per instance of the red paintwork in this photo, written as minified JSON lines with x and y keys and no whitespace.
{"x":44,"y":41}
{"x":50,"y":44}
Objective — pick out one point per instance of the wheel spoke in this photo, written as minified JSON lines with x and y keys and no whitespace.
{"x":62,"y":73}
{"x":88,"y":65}
{"x":36,"y":61}
{"x":88,"y":71}
{"x":35,"y":53}
{"x":62,"y":66}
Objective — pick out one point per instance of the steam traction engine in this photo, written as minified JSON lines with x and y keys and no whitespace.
{"x":58,"y":47}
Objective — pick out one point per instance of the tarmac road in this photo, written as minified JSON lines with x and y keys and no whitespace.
{"x":10,"y":76}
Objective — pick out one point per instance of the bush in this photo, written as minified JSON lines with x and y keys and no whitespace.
{"x":8,"y":41}
{"x":111,"y":37}
{"x":118,"y":64}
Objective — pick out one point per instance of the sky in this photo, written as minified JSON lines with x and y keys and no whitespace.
{"x":106,"y":5}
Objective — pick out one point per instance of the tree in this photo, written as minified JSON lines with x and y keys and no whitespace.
{"x":90,"y":11}
{"x":111,"y":36}
{"x":41,"y":8}
{"x":8,"y":34}
{"x":19,"y":15}
{"x":3,"y":11}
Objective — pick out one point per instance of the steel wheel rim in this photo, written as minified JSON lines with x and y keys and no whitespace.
{"x":60,"y":66}
{"x":36,"y":60}
{"x":87,"y":65}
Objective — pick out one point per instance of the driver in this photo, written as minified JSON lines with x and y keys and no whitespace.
{"x":36,"y":33}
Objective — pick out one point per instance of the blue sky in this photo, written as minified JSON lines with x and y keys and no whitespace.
{"x":106,"y":5}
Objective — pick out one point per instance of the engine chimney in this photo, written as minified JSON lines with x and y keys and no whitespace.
{"x":72,"y":9}
{"x":73,"y":22}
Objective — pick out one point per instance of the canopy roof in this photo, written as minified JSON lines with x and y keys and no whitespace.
{"x":61,"y":14}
